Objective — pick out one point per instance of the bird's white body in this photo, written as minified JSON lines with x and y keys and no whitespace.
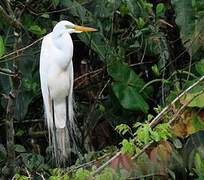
{"x":57,"y":77}
{"x":56,"y":66}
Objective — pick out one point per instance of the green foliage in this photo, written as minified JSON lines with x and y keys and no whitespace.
{"x":126,"y":87}
{"x":19,"y":148}
{"x":33,"y":161}
{"x":82,"y":174}
{"x":107,"y":174}
{"x":128,"y":147}
{"x":160,"y":9}
{"x":123,"y":129}
{"x":199,"y":166}
{"x":35,"y":29}
{"x":189,"y":17}
{"x":58,"y":174}
{"x":20,"y":177}
{"x":200,"y":67}
{"x":134,"y":48}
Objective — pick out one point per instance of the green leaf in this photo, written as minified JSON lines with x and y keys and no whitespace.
{"x":200,"y":67}
{"x":143,"y":134}
{"x":197,"y":123}
{"x":195,"y":99}
{"x":190,"y":19}
{"x":128,"y":147}
{"x":160,"y":9}
{"x":33,"y":161}
{"x":126,"y":87}
{"x":155,"y":70}
{"x":19,"y":148}
{"x":2,"y":47}
{"x":129,"y":97}
{"x":82,"y":174}
{"x":184,"y":17}
{"x":35,"y":29}
{"x":122,"y":129}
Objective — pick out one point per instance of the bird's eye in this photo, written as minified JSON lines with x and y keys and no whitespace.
{"x":68,"y":27}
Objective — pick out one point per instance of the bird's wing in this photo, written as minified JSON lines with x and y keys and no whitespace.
{"x":44,"y":60}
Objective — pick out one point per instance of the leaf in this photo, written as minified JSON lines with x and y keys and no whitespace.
{"x":128,"y":97}
{"x":33,"y":161}
{"x":82,"y":174}
{"x":184,"y":18}
{"x":2,"y":47}
{"x":128,"y":147}
{"x":36,"y":29}
{"x":160,"y":9}
{"x":195,"y":99}
{"x":126,"y":87}
{"x":19,"y":148}
{"x":191,"y":23}
{"x":122,"y":129}
{"x":200,"y":67}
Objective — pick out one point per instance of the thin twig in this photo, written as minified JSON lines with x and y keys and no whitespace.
{"x":106,"y":163}
{"x":40,"y":175}
{"x":20,"y":50}
{"x":144,"y":176}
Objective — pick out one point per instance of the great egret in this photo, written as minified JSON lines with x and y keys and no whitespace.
{"x":56,"y":76}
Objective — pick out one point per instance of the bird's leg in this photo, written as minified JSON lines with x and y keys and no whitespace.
{"x":67,"y":118}
{"x":54,"y":127}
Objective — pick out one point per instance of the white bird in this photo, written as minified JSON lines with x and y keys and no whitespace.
{"x":57,"y":77}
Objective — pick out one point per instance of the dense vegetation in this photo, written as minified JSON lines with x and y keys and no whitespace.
{"x":138,"y":89}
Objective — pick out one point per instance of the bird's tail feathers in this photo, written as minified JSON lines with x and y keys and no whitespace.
{"x":63,"y":139}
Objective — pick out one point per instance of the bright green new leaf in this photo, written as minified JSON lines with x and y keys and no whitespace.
{"x":160,"y":9}
{"x":128,"y":147}
{"x":122,"y":129}
{"x":82,"y":174}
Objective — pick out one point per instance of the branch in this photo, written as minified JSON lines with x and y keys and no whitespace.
{"x":154,"y":122}
{"x":19,"y":50}
{"x":9,"y":19}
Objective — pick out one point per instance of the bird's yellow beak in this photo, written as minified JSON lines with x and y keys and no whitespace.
{"x":84,"y":29}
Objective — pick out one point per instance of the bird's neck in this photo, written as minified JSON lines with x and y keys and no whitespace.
{"x":61,"y":40}
{"x":64,"y":45}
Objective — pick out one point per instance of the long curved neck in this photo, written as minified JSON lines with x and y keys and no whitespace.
{"x":63,"y":42}
{"x":58,"y":39}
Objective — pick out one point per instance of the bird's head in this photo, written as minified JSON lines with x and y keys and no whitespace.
{"x":66,"y":26}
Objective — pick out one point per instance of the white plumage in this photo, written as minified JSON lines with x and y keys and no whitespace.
{"x":57,"y":77}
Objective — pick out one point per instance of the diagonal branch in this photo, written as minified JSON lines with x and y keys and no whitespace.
{"x":154,"y":122}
